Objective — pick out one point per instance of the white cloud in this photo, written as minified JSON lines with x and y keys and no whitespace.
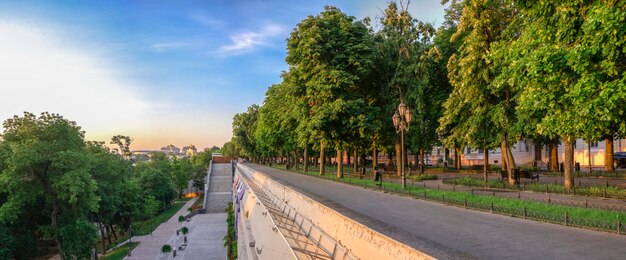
{"x":247,"y":41}
{"x":40,"y":72}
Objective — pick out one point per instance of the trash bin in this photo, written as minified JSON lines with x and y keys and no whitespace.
{"x":577,"y":167}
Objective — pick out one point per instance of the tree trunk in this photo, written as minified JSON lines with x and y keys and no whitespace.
{"x":485,"y":163}
{"x":503,"y":158}
{"x":348,"y":157}
{"x":339,"y":163}
{"x":55,"y":228}
{"x":104,"y":246}
{"x":374,"y":157}
{"x":113,"y":231}
{"x":554,"y":156}
{"x":457,"y":157}
{"x":589,"y":155}
{"x":398,"y":156}
{"x":510,"y":161}
{"x":355,"y":163}
{"x":306,"y":158}
{"x":421,"y":161}
{"x":322,"y":159}
{"x":608,"y":154}
{"x":296,"y":160}
{"x":568,"y":164}
{"x":108,"y":234}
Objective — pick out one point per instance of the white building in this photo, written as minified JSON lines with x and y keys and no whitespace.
{"x":525,"y":153}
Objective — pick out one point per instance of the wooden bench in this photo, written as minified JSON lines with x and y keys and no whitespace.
{"x":518,"y":174}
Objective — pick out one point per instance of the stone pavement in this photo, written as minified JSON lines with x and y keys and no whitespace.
{"x":206,"y":231}
{"x":206,"y":237}
{"x":150,"y":245}
{"x":448,"y":232}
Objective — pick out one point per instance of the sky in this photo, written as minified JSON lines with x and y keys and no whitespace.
{"x":162,"y":72}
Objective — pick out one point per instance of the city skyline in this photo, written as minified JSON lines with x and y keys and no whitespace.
{"x":160,"y":73}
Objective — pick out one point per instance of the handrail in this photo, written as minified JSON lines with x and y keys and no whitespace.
{"x":206,"y":186}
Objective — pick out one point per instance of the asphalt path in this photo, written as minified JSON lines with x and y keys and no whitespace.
{"x":448,"y":232}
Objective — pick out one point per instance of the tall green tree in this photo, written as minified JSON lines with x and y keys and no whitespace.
{"x":478,"y":113}
{"x":328,"y":54}
{"x":46,"y":167}
{"x":244,"y":125}
{"x":568,"y":66}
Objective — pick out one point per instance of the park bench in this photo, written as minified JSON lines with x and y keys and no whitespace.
{"x":518,"y":174}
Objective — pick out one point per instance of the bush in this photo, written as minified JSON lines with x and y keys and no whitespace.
{"x":166,"y":249}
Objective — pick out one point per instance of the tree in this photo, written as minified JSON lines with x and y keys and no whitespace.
{"x":328,"y":54}
{"x":123,"y":142}
{"x":244,"y":125}
{"x":47,"y":168}
{"x":155,"y":183}
{"x":568,"y":66}
{"x":478,"y":112}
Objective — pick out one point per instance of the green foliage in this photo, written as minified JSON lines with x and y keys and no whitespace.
{"x":146,"y":226}
{"x":244,"y":125}
{"x":120,"y":252}
{"x":166,"y":249}
{"x":328,"y":56}
{"x":229,"y":240}
{"x":184,"y":230}
{"x":155,"y":183}
{"x":592,"y":191}
{"x":47,"y":166}
{"x":78,"y":239}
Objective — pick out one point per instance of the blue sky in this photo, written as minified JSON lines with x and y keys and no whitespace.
{"x":160,"y":71}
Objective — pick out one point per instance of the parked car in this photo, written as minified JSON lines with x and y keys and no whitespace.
{"x":619,"y":160}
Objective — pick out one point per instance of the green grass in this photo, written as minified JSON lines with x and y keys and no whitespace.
{"x":594,"y":174}
{"x":590,"y":218}
{"x":592,"y":191}
{"x":145,"y":227}
{"x":120,"y":252}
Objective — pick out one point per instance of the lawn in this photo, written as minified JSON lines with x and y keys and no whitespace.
{"x":145,"y":227}
{"x":592,"y":191}
{"x":120,"y":252}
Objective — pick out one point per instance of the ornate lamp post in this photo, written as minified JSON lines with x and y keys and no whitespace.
{"x":401,"y":121}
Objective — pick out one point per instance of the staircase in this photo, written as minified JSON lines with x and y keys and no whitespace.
{"x":220,"y":188}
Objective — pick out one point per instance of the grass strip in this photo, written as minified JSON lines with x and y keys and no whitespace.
{"x":590,"y":218}
{"x":145,"y":227}
{"x":591,"y":191}
{"x":120,"y":252}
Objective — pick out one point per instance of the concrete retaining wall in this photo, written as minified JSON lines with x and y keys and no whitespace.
{"x":268,"y":243}
{"x":362,"y":241}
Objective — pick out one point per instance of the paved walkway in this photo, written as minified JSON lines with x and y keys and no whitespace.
{"x":150,"y":245}
{"x":448,"y":232}
{"x":206,"y":237}
{"x":207,"y":231}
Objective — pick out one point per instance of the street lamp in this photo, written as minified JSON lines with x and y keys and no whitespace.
{"x":401,"y":120}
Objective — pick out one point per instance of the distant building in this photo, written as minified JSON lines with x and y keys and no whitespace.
{"x":170,"y":150}
{"x":190,"y":150}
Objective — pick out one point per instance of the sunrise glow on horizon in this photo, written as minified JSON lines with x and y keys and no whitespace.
{"x":163,"y":73}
